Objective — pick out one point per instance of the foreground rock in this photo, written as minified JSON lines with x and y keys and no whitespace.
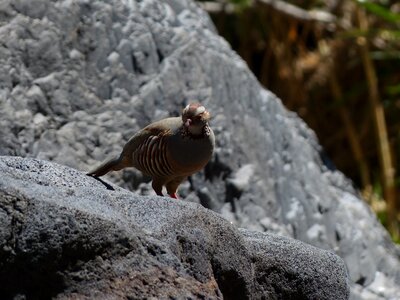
{"x":78,"y":78}
{"x":65,"y":235}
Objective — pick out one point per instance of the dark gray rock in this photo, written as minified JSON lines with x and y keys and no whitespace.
{"x":78,"y":78}
{"x":276,"y":274}
{"x":65,"y":235}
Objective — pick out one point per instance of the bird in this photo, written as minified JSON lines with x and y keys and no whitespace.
{"x":168,"y":150}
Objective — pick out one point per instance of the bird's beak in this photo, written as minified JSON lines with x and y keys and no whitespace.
{"x":188,"y":122}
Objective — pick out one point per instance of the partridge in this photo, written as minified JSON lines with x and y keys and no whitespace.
{"x":168,"y":150}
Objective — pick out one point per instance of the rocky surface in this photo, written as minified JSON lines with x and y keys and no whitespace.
{"x":65,"y":235}
{"x":78,"y":78}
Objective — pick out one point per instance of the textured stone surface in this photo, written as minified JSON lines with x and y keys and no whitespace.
{"x":65,"y":235}
{"x":78,"y":78}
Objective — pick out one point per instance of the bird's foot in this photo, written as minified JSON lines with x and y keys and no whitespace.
{"x":174,"y":195}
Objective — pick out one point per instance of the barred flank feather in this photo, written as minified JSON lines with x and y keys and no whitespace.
{"x":151,"y":157}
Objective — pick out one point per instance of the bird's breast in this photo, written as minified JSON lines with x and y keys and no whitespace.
{"x":188,"y":154}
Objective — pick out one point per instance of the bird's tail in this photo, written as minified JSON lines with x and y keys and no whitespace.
{"x":113,"y":164}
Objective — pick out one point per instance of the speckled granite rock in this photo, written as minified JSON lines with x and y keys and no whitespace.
{"x":78,"y":78}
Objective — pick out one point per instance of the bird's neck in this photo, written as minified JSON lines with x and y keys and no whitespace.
{"x":196,"y":130}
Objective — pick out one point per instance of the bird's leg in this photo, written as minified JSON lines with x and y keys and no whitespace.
{"x":157,"y":185}
{"x":172,"y":186}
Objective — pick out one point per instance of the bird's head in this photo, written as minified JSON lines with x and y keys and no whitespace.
{"x":195,"y":117}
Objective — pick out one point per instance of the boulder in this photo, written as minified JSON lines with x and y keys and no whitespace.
{"x":65,"y":235}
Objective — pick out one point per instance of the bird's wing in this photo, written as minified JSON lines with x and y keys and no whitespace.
{"x":159,"y":128}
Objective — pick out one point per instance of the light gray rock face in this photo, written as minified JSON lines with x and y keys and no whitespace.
{"x":65,"y":235}
{"x":78,"y":78}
